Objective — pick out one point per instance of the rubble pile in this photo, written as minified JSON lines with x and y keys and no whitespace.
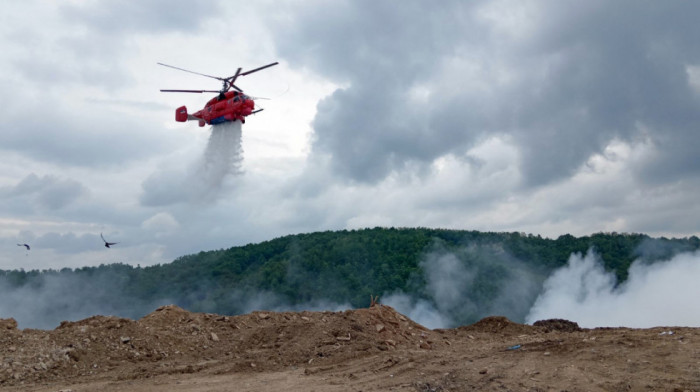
{"x":172,"y":340}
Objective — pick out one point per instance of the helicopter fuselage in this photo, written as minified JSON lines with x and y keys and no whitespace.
{"x":228,"y":106}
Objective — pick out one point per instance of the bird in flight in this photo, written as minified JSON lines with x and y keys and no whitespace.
{"x":25,"y":245}
{"x":107,"y":244}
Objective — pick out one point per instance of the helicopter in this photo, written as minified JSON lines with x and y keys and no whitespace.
{"x":226,"y":106}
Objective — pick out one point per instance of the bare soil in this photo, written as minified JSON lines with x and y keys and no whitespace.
{"x":374,"y":349}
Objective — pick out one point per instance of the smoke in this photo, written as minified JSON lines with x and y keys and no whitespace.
{"x":467,"y":284}
{"x":661,"y":294}
{"x":41,"y":300}
{"x":447,"y":280}
{"x":46,"y":299}
{"x":254,"y":300}
{"x":421,"y":311}
{"x":203,"y":181}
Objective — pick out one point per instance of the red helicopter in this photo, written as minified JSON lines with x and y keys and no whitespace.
{"x":227,"y":106}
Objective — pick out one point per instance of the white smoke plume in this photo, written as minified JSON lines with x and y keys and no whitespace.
{"x":419,"y":310}
{"x":447,"y":281}
{"x":450,"y":279}
{"x":661,"y":294}
{"x":52,"y":297}
{"x":250,"y":301}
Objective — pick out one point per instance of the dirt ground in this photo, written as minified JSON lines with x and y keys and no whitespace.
{"x":374,"y":349}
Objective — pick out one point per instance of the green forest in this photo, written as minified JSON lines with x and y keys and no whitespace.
{"x":337,"y":268}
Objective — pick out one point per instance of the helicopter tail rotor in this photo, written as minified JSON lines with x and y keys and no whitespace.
{"x":181,"y":114}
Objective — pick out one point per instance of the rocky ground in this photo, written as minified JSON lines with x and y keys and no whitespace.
{"x":374,"y":349}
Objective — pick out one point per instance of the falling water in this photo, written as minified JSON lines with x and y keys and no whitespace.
{"x":223,"y":157}
{"x":203,"y":181}
{"x":224,"y":153}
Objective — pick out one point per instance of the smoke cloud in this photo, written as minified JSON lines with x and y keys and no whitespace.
{"x":661,"y":294}
{"x":52,"y":298}
{"x":249,"y":301}
{"x":422,"y":311}
{"x":452,"y":287}
{"x":467,"y":284}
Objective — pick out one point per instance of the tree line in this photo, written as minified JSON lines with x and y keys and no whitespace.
{"x":341,"y":267}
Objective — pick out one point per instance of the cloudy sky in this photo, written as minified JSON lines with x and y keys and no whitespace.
{"x":544,"y":117}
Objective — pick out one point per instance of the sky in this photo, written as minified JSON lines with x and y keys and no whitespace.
{"x":543,"y":117}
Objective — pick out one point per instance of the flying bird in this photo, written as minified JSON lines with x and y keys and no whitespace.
{"x":25,"y":245}
{"x":107,"y":244}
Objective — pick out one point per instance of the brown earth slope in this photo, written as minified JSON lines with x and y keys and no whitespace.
{"x":375,"y":349}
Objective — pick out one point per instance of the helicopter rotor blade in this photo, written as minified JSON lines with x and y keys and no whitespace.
{"x":196,"y":73}
{"x":239,"y":73}
{"x":258,"y":69}
{"x":228,"y":83}
{"x":233,"y":78}
{"x":189,"y":91}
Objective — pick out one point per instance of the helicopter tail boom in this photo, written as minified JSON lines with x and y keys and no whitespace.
{"x":181,"y":115}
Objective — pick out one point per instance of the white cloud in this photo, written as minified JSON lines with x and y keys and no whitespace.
{"x":161,"y":222}
{"x":693,"y":72}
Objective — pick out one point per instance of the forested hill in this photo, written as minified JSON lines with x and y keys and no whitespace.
{"x":328,"y":269}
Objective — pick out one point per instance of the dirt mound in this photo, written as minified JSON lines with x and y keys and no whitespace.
{"x":172,"y":340}
{"x":497,"y":324}
{"x":8,"y":324}
{"x":373,"y":349}
{"x":557,"y":325}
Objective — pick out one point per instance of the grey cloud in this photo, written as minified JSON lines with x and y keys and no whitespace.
{"x":616,"y":66}
{"x":166,"y":187}
{"x":145,"y":16}
{"x":581,"y":75}
{"x":676,"y":159}
{"x":58,"y":62}
{"x":373,"y":127}
{"x":55,"y":136}
{"x":47,"y":192}
{"x":91,"y":51}
{"x":378,"y":42}
{"x":66,"y":243}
